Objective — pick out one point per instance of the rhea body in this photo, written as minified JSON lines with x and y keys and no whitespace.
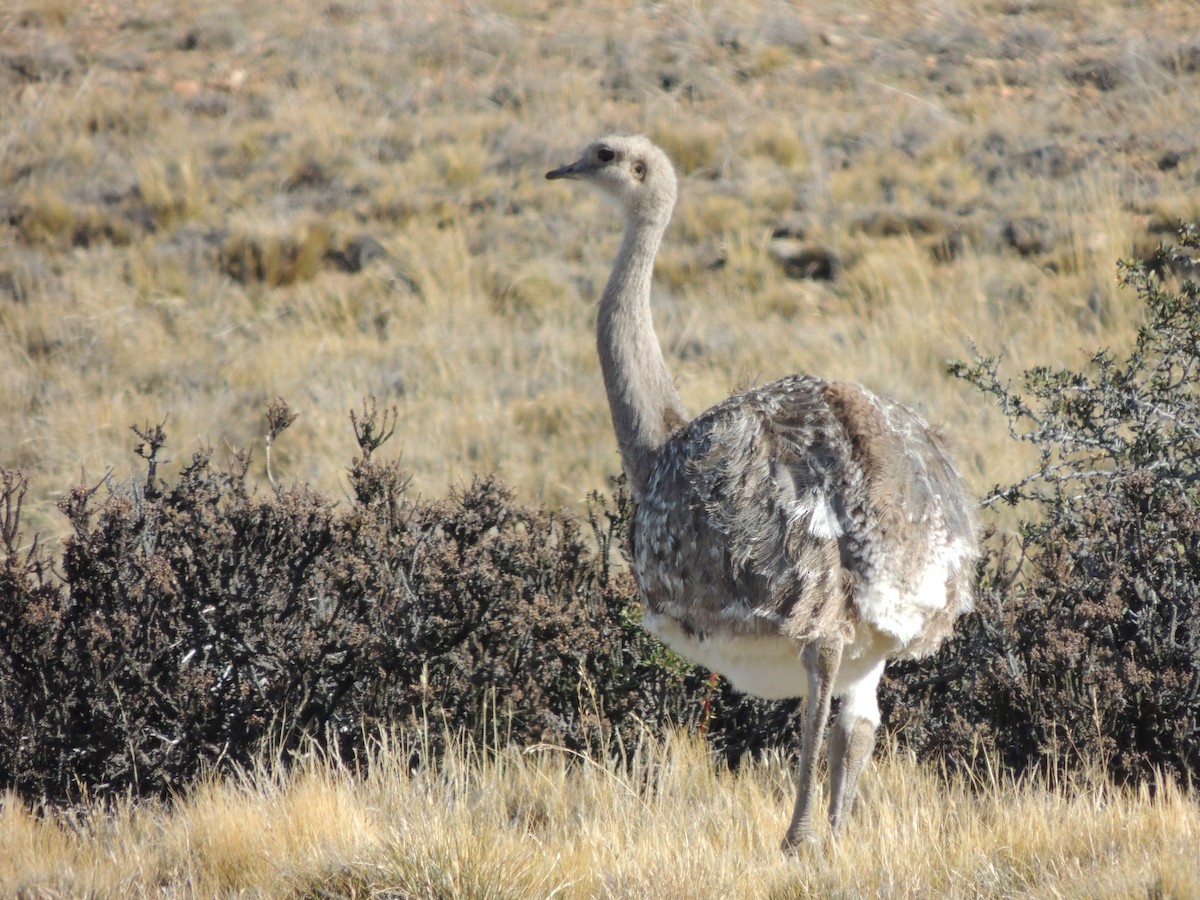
{"x":795,"y":536}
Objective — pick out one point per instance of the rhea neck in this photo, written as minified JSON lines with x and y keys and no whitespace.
{"x":645,"y":405}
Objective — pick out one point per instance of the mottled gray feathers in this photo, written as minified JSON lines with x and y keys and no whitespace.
{"x":768,"y":511}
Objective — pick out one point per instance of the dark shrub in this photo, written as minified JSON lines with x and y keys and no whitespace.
{"x":1087,"y":643}
{"x":197,"y":620}
{"x":31,"y":607}
{"x":194,"y":621}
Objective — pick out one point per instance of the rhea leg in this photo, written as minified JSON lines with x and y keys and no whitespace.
{"x":851,"y":742}
{"x":821,"y":661}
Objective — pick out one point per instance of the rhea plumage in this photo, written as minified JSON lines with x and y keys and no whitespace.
{"x":792,"y":538}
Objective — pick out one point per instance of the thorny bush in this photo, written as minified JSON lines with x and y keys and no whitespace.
{"x":195,"y":621}
{"x":1087,"y":642}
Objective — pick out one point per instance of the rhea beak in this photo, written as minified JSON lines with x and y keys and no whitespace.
{"x":574,"y":170}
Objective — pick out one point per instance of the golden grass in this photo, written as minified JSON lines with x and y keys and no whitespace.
{"x":545,"y":822}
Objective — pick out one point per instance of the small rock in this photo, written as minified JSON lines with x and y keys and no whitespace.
{"x":803,"y":260}
{"x":785,"y":28}
{"x":1024,"y":42}
{"x":1172,"y":159}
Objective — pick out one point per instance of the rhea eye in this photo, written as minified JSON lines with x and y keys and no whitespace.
{"x":606,"y":154}
{"x":639,"y":170}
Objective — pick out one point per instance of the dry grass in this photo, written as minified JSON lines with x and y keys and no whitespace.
{"x":542,"y":823}
{"x":181,"y":182}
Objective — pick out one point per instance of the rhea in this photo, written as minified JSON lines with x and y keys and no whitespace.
{"x":794,"y":537}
